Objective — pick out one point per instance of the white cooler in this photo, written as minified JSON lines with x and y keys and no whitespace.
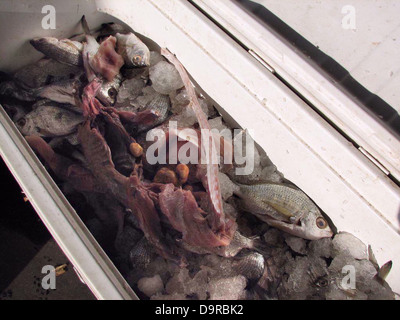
{"x":239,"y":63}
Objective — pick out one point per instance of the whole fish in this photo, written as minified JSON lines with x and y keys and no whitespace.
{"x":61,"y":92}
{"x":133,"y":50}
{"x":49,"y":120}
{"x":46,"y":71}
{"x":284,"y":207}
{"x":64,"y":50}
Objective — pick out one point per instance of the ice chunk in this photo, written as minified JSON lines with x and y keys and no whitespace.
{"x":207,"y":107}
{"x":271,"y":174}
{"x":199,"y":284}
{"x":232,"y":288}
{"x":130,"y":89}
{"x":148,"y":94}
{"x":346,"y":242}
{"x":155,"y":57}
{"x":227,"y":186}
{"x":165,"y":78}
{"x":297,"y":244}
{"x":179,"y":101}
{"x":334,"y":293}
{"x":264,"y":159}
{"x":159,"y":266}
{"x":174,"y":296}
{"x":151,"y":286}
{"x":304,"y":280}
{"x":273,"y":237}
{"x":320,"y":248}
{"x":217,"y":123}
{"x":178,"y":283}
{"x":364,"y":285}
{"x":186,"y":119}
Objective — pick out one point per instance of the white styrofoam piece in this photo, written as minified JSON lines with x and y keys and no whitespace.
{"x":283,"y":125}
{"x":318,"y":88}
{"x":370,"y":52}
{"x":299,"y":142}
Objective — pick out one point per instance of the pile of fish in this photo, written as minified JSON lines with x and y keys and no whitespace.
{"x":175,"y":230}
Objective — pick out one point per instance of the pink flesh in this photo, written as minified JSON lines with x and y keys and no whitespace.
{"x":184,"y":214}
{"x":79,"y":177}
{"x":211,"y":178}
{"x":90,"y":105}
{"x":107,"y":62}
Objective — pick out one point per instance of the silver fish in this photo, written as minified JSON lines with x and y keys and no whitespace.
{"x":49,"y":120}
{"x":133,"y":50}
{"x":286,"y":208}
{"x":141,"y":254}
{"x":90,"y":48}
{"x":64,"y":50}
{"x":61,"y":92}
{"x":161,"y":105}
{"x":109,"y":91}
{"x":251,"y":266}
{"x":46,"y":71}
{"x":12,"y":89}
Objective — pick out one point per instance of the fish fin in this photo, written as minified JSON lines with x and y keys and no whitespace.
{"x":372,"y":258}
{"x":85,"y":26}
{"x":384,"y":270}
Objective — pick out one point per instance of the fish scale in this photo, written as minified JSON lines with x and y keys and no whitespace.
{"x":286,"y":200}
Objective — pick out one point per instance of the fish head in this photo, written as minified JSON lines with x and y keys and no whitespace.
{"x":314,"y":226}
{"x":109,"y":91}
{"x":311,"y":226}
{"x":141,"y":58}
{"x":27,"y":126}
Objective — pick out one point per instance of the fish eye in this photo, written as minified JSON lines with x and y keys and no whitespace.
{"x":21,"y":122}
{"x":321,"y":223}
{"x":112,"y":93}
{"x":322,"y":282}
{"x":137,"y":59}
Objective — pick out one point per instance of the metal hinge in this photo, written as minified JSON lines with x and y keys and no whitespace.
{"x":374,"y":161}
{"x":261,"y":60}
